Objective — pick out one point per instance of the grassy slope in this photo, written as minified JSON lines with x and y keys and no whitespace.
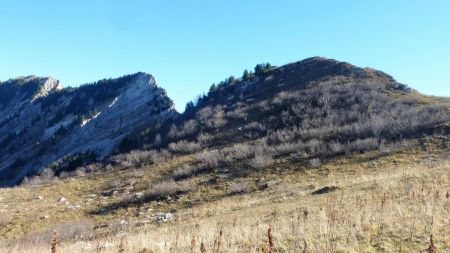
{"x":383,"y":204}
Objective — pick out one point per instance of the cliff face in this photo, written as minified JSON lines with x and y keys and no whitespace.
{"x":41,"y":123}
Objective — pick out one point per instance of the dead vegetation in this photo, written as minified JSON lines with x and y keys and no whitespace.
{"x":391,"y":203}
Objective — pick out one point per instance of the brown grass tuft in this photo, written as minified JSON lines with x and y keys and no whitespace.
{"x":269,"y":244}
{"x":121,"y":247}
{"x":202,"y":247}
{"x":54,"y":242}
{"x":193,"y":243}
{"x":218,"y":242}
{"x":432,"y":248}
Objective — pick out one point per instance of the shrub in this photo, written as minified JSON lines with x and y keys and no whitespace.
{"x":261,"y":161}
{"x":140,"y":158}
{"x":211,"y":158}
{"x":184,"y":171}
{"x":211,"y":117}
{"x":168,"y":188}
{"x":238,"y":152}
{"x":204,"y":137}
{"x":184,"y":147}
{"x":44,"y":177}
{"x":256,"y":126}
{"x":365,"y":144}
{"x":238,"y":113}
{"x":315,"y":163}
{"x":68,"y":230}
{"x":239,"y":188}
{"x":188,"y":128}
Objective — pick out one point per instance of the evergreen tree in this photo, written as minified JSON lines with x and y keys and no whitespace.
{"x":262,"y":68}
{"x":189,"y":106}
{"x":231,"y":80}
{"x":212,"y":88}
{"x":259,"y":69}
{"x":246,"y":75}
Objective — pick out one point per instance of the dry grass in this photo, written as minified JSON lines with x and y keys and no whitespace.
{"x":388,"y":204}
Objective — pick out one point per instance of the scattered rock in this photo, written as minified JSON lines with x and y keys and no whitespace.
{"x":108,"y":193}
{"x":224,"y":176}
{"x":62,"y":200}
{"x":164,"y":217}
{"x":40,"y":197}
{"x":106,"y":245}
{"x":122,"y":234}
{"x":270,"y":184}
{"x":74,"y":206}
{"x":326,"y":189}
{"x":99,"y":226}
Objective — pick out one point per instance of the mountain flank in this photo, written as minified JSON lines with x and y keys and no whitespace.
{"x":312,"y":156}
{"x":42,"y":123}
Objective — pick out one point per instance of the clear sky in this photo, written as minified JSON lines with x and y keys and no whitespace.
{"x":188,"y":45}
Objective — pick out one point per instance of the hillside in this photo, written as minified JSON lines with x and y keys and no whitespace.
{"x":331,"y":157}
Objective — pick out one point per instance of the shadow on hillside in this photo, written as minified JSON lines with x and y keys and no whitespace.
{"x":148,"y":198}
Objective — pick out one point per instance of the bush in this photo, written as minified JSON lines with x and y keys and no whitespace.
{"x":315,"y":163}
{"x":211,"y":117}
{"x":184,"y":147}
{"x":204,"y":137}
{"x":261,"y":161}
{"x":238,"y":152}
{"x":168,"y":189}
{"x":240,"y":188}
{"x":188,"y":128}
{"x":140,"y":158}
{"x":68,"y":230}
{"x":184,"y":171}
{"x":365,"y":144}
{"x":44,"y":177}
{"x":211,"y":158}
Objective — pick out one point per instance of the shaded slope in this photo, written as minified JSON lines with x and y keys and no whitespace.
{"x":42,"y":123}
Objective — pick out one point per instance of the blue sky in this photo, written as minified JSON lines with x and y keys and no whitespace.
{"x":188,"y":45}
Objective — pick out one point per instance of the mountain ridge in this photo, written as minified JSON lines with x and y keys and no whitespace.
{"x":112,"y":116}
{"x":309,"y":145}
{"x":46,"y":115}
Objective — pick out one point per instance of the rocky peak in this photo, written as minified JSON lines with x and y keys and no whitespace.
{"x":49,"y":84}
{"x":28,"y":87}
{"x":45,"y":123}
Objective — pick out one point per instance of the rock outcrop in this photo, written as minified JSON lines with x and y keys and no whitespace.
{"x":40,"y":122}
